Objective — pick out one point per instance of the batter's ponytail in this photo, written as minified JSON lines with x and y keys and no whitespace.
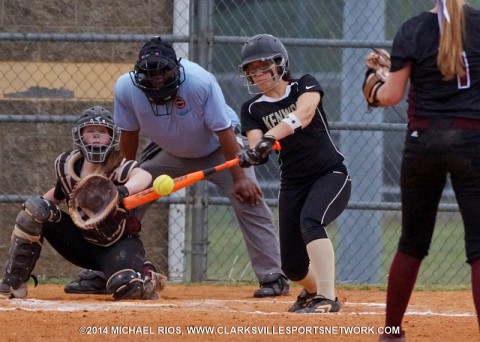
{"x":450,"y":60}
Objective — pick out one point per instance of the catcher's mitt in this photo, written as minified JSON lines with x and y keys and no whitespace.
{"x":378,"y":68}
{"x":92,"y":200}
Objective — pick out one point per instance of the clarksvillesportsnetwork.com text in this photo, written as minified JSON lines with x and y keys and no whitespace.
{"x":236,"y":330}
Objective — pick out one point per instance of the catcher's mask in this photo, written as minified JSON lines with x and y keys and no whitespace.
{"x":96,"y":152}
{"x":157,"y":72}
{"x":263,"y":48}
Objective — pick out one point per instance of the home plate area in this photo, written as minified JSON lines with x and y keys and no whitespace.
{"x":208,"y":311}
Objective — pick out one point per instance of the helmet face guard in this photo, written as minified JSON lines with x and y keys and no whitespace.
{"x":158,"y":77}
{"x":253,"y":87}
{"x":262,"y":48}
{"x":96,"y":116}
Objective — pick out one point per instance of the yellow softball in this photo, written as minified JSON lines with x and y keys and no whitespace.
{"x":163,"y":185}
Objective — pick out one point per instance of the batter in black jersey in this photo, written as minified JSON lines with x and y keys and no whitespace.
{"x":439,"y":53}
{"x":315,"y":185}
{"x":310,"y":152}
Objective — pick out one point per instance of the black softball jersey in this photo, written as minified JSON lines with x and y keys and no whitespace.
{"x":308,"y":153}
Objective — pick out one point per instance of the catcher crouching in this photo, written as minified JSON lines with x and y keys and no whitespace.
{"x":96,"y":233}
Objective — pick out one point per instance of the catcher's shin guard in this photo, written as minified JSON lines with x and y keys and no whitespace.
{"x":128,"y":284}
{"x":22,"y":257}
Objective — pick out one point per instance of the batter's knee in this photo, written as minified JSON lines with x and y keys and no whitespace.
{"x":311,"y":233}
{"x":294,"y":272}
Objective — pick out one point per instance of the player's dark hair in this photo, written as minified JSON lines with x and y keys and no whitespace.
{"x":113,"y":161}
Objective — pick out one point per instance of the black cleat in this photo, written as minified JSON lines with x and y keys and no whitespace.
{"x":303,"y":299}
{"x":88,"y":282}
{"x":320,"y":304}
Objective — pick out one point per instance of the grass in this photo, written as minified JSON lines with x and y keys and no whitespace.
{"x":228,"y":262}
{"x":445,"y":265}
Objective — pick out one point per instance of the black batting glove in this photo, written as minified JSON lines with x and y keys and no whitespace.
{"x":265,"y":146}
{"x":259,"y":154}
{"x":248,"y":158}
{"x":251,"y":158}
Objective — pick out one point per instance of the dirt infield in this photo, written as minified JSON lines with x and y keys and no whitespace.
{"x":230,"y":313}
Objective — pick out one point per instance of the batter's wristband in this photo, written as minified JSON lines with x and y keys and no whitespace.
{"x":293,"y":122}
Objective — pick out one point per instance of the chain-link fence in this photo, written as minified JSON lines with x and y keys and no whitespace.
{"x":58,"y":57}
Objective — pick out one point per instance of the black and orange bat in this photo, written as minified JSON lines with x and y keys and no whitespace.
{"x":149,"y":195}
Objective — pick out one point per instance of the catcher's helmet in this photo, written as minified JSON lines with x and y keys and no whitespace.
{"x":263,"y":47}
{"x":96,"y":116}
{"x":157,"y":71}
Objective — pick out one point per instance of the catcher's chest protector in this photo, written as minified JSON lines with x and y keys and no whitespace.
{"x":112,"y":227}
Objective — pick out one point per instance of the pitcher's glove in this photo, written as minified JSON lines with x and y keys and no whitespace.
{"x":378,"y":68}
{"x":92,"y":200}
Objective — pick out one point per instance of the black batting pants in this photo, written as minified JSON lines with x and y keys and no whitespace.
{"x":304,"y":211}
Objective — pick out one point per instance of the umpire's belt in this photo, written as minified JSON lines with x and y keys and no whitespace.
{"x":418,"y":123}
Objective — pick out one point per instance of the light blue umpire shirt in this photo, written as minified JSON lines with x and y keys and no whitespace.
{"x":186,"y":126}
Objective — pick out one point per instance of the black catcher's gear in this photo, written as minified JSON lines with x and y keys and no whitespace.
{"x":262,"y":47}
{"x":67,"y":162}
{"x":94,"y":282}
{"x":42,"y":210}
{"x":22,"y":257}
{"x":128,"y":284}
{"x":25,"y":247}
{"x":157,"y":60}
{"x":96,"y":116}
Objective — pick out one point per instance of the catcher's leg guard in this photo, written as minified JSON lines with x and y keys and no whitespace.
{"x":22,"y":257}
{"x":25,"y":248}
{"x":128,"y":284}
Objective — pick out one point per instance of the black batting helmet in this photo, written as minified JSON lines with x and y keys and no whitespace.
{"x":263,"y":47}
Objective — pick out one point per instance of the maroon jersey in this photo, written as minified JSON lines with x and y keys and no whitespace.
{"x":417,"y":41}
